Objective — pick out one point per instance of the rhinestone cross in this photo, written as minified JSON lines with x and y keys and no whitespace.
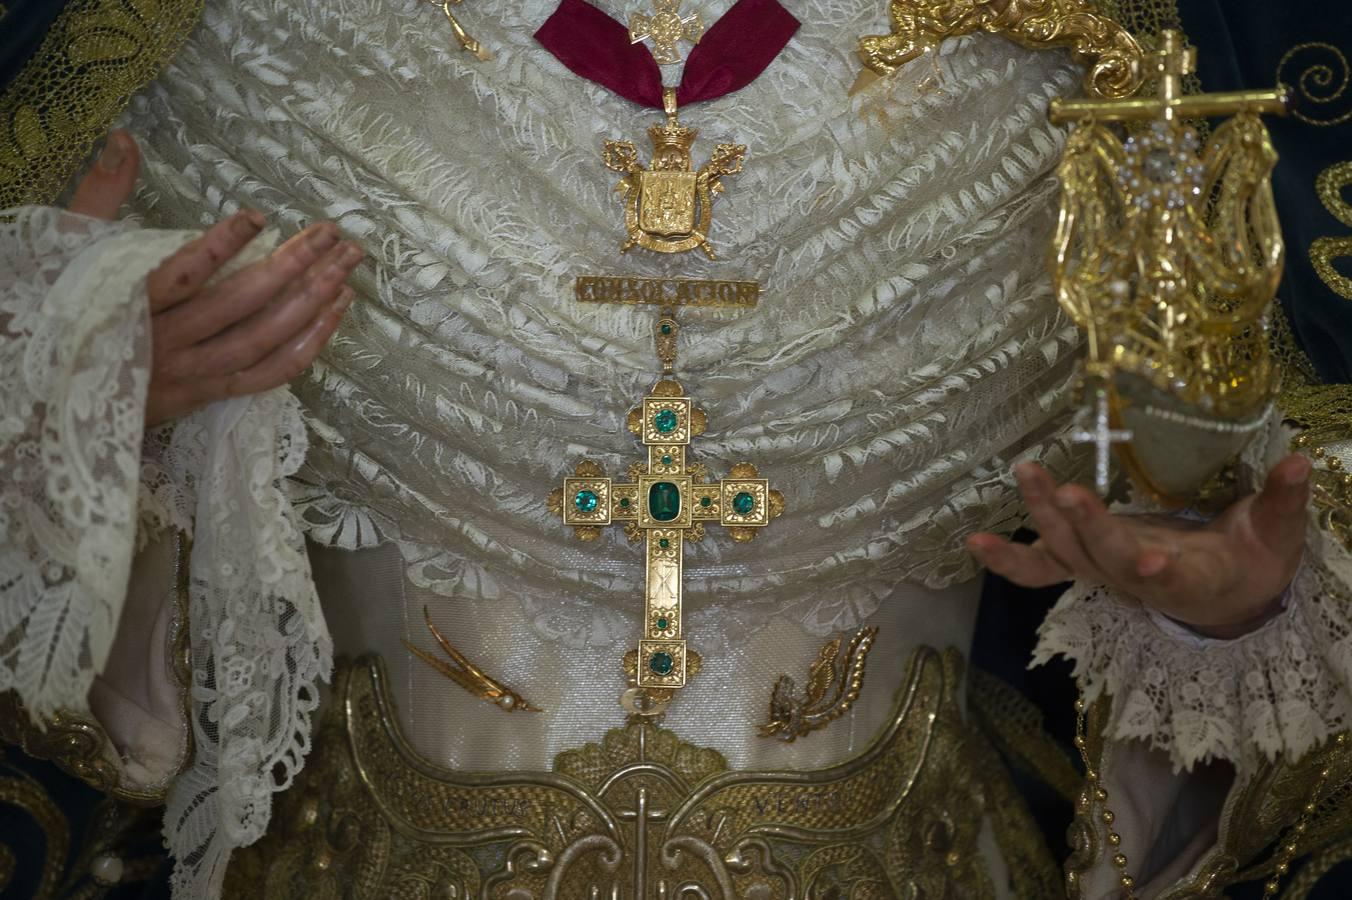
{"x":1102,"y":436}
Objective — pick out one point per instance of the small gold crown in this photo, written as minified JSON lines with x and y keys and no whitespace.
{"x":672,"y":136}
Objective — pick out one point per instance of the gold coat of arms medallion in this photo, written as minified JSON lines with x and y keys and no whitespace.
{"x":669,"y":207}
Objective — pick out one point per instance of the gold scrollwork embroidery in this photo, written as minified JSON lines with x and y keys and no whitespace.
{"x":19,"y":790}
{"x":1323,"y":251}
{"x":642,"y":813}
{"x":95,"y":56}
{"x":1318,"y":83}
{"x":793,"y":715}
{"x":1116,"y":59}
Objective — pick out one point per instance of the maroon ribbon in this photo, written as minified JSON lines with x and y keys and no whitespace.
{"x":730,"y":55}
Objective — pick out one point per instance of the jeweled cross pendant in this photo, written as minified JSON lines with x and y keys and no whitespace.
{"x":664,"y":28}
{"x":1102,"y":436}
{"x":667,"y":501}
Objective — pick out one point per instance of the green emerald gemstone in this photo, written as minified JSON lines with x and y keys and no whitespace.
{"x":664,"y":501}
{"x":743,"y":504}
{"x":585,"y":501}
{"x":666,"y":460}
{"x":663,"y":543}
{"x":662,"y":623}
{"x":666,"y":329}
{"x":706,"y":501}
{"x":624,"y":502}
{"x":661,"y":663}
{"x":665,"y":421}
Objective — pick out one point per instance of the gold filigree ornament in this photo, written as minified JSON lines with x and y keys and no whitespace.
{"x":833,"y":685}
{"x":668,"y":502}
{"x":919,"y":26}
{"x":1323,"y":251}
{"x":668,"y":207}
{"x":664,"y":28}
{"x":466,"y":674}
{"x":1168,"y":254}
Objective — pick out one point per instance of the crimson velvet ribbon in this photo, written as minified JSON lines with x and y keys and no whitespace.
{"x":730,"y":55}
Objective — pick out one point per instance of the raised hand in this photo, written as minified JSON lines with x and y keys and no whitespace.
{"x":254,"y":330}
{"x":1223,"y":577}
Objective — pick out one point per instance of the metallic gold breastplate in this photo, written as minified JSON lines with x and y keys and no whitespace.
{"x":644,"y":815}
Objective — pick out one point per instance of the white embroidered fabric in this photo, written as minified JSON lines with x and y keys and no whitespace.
{"x":907,"y":349}
{"x":1281,"y":689}
{"x":75,"y":362}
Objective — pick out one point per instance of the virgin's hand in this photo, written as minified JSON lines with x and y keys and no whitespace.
{"x":1222,"y":578}
{"x":254,"y":330}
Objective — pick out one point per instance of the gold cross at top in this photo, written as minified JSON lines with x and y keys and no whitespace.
{"x":668,"y":500}
{"x":664,"y":28}
{"x":1171,"y":62}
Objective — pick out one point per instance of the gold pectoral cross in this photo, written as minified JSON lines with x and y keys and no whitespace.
{"x":667,"y":501}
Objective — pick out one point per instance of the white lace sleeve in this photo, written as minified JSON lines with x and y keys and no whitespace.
{"x":1281,"y":689}
{"x":74,"y":359}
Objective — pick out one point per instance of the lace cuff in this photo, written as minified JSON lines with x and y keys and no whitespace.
{"x":1282,"y":688}
{"x":79,"y":473}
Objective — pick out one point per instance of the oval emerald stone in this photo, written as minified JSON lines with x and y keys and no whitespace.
{"x":665,"y":421}
{"x":663,"y":543}
{"x":585,"y":501}
{"x":624,"y":502}
{"x":666,"y":329}
{"x":662,"y":623}
{"x":661,"y":663}
{"x":664,"y":501}
{"x":666,"y":460}
{"x":743,"y":504}
{"x":706,"y":501}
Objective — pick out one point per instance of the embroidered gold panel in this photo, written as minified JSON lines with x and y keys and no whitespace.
{"x":95,"y":56}
{"x":644,"y":814}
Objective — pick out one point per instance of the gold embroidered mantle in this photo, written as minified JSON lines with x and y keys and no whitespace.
{"x":643,"y":814}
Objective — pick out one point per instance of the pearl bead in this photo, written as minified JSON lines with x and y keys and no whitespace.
{"x":106,"y":869}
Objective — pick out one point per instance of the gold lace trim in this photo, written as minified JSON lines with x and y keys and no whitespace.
{"x":642,"y":813}
{"x":95,"y":56}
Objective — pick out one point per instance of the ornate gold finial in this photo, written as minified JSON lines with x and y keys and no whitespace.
{"x":1168,"y":254}
{"x":668,"y":501}
{"x":664,"y":28}
{"x":466,"y":674}
{"x":1114,"y":57}
{"x":793,"y":715}
{"x":668,"y":208}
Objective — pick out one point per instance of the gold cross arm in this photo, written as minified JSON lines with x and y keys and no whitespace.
{"x":666,"y":502}
{"x":1171,"y":62}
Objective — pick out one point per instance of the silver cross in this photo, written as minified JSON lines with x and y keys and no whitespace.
{"x":1102,"y":436}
